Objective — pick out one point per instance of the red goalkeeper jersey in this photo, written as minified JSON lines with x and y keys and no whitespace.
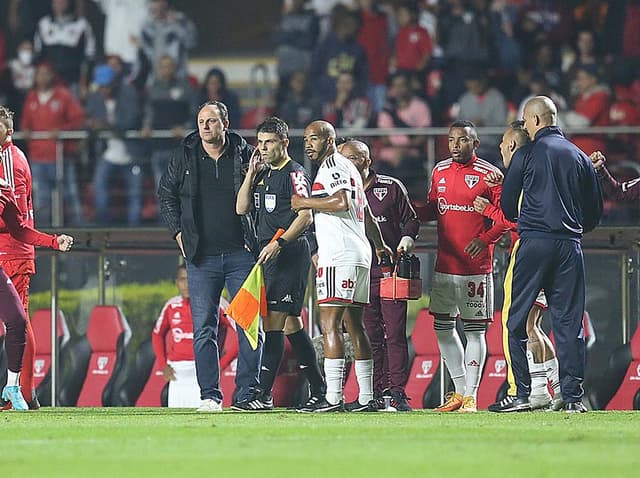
{"x":454,"y":186}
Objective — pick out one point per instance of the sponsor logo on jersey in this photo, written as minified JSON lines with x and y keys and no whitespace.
{"x":287,"y":298}
{"x":442,"y":181}
{"x":442,"y":189}
{"x":480,"y":170}
{"x":269,"y":202}
{"x":179,"y":335}
{"x":473,"y":363}
{"x":384,"y":181}
{"x":340,"y":182}
{"x":380,"y":193}
{"x":348,"y":284}
{"x":637,"y":376}
{"x":471,"y":180}
{"x":443,"y":207}
{"x":299,"y":183}
{"x":381,"y":219}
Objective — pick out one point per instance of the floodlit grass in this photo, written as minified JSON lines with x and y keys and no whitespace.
{"x":123,"y":442}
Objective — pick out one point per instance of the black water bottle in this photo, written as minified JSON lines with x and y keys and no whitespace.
{"x":386,"y":266}
{"x":404,"y":266}
{"x":415,"y":267}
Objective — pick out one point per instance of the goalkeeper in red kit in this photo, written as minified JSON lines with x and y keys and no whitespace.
{"x":12,"y":312}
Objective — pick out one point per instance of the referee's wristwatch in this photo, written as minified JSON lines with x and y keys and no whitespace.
{"x":281,"y":242}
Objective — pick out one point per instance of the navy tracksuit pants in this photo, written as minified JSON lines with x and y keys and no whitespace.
{"x":557,"y":266}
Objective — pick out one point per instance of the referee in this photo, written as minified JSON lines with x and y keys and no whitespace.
{"x":551,"y":189}
{"x":273,"y":177}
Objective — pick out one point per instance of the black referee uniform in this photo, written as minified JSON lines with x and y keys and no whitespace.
{"x":285,"y":276}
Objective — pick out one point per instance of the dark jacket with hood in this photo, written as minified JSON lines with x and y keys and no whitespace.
{"x":179,"y":186}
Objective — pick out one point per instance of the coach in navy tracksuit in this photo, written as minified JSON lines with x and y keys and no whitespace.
{"x":551,"y":189}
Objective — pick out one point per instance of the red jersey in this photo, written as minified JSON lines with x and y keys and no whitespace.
{"x":60,"y":111}
{"x":497,"y":216}
{"x":16,"y":172}
{"x":12,"y":218}
{"x":172,"y":337}
{"x":372,"y":36}
{"x":413,"y":43}
{"x":454,"y":186}
{"x":595,"y":107}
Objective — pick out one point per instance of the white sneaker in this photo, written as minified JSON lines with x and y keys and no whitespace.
{"x":209,"y":405}
{"x":541,"y":400}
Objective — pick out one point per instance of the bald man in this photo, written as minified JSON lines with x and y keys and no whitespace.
{"x":343,"y":223}
{"x":385,"y":321}
{"x":541,"y":356}
{"x":552,"y":191}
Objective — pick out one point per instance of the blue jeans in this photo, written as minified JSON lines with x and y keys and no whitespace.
{"x":44,"y":183}
{"x":132,"y":174}
{"x":207,"y":277}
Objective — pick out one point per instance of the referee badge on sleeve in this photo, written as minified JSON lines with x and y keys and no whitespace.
{"x":269,"y":202}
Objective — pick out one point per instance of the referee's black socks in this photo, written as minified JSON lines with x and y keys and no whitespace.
{"x":272,"y":354}
{"x":306,"y":355}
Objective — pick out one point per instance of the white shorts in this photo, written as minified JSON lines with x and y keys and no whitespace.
{"x":184,"y":391}
{"x":469,"y":296}
{"x":342,"y":285}
{"x":541,"y":300}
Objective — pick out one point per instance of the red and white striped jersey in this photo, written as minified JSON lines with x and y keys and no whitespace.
{"x":14,"y":169}
{"x":341,"y":235}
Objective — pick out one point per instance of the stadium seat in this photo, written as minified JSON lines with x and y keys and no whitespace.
{"x":147,"y":386}
{"x":423,"y":386}
{"x":494,"y":375}
{"x":627,"y":396}
{"x":41,"y":324}
{"x":97,"y":359}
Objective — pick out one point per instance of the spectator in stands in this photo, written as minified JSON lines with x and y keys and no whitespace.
{"x":214,"y":88}
{"x":170,"y":105}
{"x":503,"y":32}
{"x":338,"y":52}
{"x":585,"y":55}
{"x":624,"y":110}
{"x":538,"y":86}
{"x":347,"y":110}
{"x":413,"y":45}
{"x":22,"y":73}
{"x":51,"y":107}
{"x":298,"y":107}
{"x":543,"y":19}
{"x":67,"y":41}
{"x":591,"y":108}
{"x":484,"y":106}
{"x":374,"y":37}
{"x":23,"y":17}
{"x":403,"y":110}
{"x":122,"y":28}
{"x":465,"y":43}
{"x":622,"y":30}
{"x":115,"y":107}
{"x":167,"y":32}
{"x":295,"y":38}
{"x":172,"y":340}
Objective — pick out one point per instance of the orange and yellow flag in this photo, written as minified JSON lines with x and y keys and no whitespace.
{"x":249,"y":304}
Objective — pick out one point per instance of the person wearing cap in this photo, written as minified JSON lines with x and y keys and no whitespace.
{"x":115,"y":107}
{"x":51,"y":107}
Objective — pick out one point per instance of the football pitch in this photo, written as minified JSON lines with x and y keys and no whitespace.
{"x":124,"y":442}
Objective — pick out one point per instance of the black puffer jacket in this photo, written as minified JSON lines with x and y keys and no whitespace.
{"x":179,"y":186}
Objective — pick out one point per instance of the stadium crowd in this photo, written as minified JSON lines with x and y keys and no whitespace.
{"x":355,"y":63}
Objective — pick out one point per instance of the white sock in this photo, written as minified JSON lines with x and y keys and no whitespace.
{"x":551,"y":369}
{"x":364,"y":374}
{"x":13,"y":378}
{"x":453,"y":355}
{"x":538,"y":374}
{"x":333,"y":372}
{"x":474,"y":356}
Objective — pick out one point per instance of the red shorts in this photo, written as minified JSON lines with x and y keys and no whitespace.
{"x":20,"y":271}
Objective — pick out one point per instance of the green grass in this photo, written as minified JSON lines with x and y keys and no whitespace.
{"x":123,"y":442}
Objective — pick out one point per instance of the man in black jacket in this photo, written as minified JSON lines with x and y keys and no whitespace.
{"x":551,"y":189}
{"x":198,"y":202}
